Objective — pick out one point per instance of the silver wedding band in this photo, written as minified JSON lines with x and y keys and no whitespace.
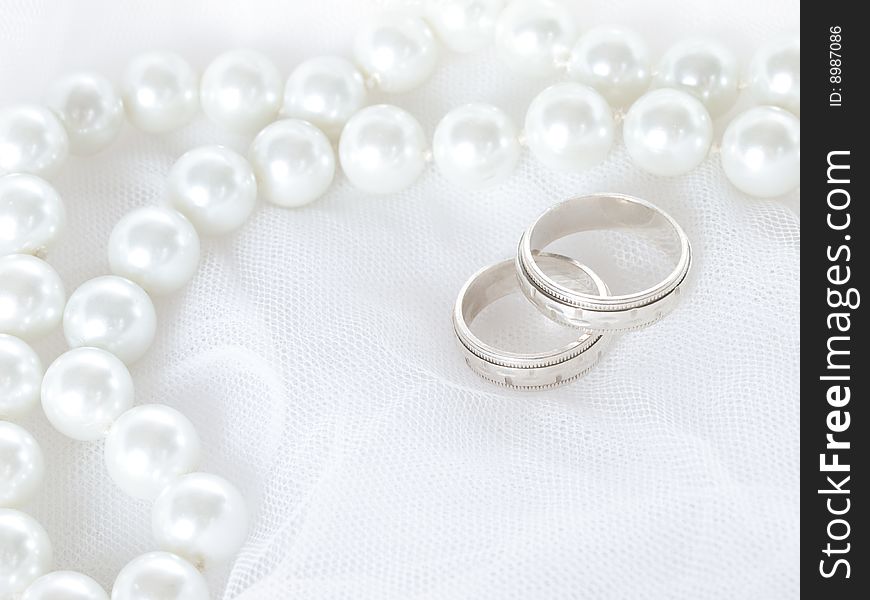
{"x":527,"y":371}
{"x":595,"y":311}
{"x":569,"y":292}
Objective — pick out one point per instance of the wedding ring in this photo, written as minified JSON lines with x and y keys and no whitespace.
{"x":531,"y":371}
{"x":590,"y":311}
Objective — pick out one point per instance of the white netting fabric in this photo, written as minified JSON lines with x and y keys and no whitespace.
{"x":314,"y":352}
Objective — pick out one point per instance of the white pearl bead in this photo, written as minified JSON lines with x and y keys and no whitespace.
{"x":241,"y":90}
{"x":159,"y":576}
{"x":325,"y":91}
{"x":464,"y":25}
{"x":398,"y":51}
{"x":25,"y":550}
{"x":155,"y":247}
{"x":775,"y":74}
{"x":614,"y":61}
{"x":32,"y":214}
{"x":31,"y":296}
{"x":535,"y":37}
{"x":20,"y":377}
{"x":148,"y":447}
{"x":200,"y":517}
{"x":22,"y":466}
{"x":382,"y":149}
{"x":704,"y":68}
{"x":84,"y":391}
{"x":90,"y":109}
{"x":668,"y":132}
{"x":761,"y":152}
{"x":32,"y":140}
{"x":160,"y":91}
{"x":294,"y":162}
{"x":569,"y":127}
{"x":65,"y":585}
{"x":476,"y":145}
{"x":214,"y":188}
{"x":111,"y":313}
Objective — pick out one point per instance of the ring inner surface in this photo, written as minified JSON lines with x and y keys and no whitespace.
{"x":630,"y":245}
{"x":498,"y":282}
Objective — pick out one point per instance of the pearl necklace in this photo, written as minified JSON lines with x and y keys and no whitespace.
{"x":152,"y":451}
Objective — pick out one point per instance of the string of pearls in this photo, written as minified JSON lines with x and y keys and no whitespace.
{"x":152,"y":451}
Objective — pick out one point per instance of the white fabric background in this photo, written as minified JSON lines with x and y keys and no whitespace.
{"x":314,"y":353}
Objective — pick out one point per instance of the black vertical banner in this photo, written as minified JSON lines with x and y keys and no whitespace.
{"x":835,"y":224}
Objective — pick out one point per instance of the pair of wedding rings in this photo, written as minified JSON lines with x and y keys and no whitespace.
{"x":569,"y":292}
